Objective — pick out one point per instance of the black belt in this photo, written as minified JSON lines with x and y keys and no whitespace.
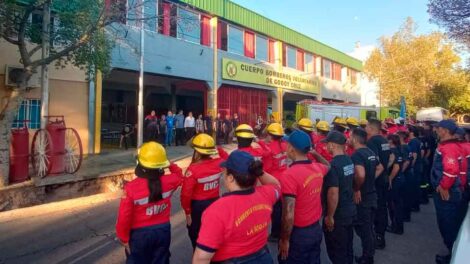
{"x":241,"y":260}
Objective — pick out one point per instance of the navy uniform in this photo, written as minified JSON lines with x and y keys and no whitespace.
{"x":395,"y":201}
{"x":379,"y":145}
{"x":339,"y":241}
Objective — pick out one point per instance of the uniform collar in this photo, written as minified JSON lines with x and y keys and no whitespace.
{"x":453,"y":140}
{"x":301,"y":162}
{"x":241,"y":192}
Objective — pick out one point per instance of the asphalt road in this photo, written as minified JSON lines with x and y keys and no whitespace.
{"x":82,"y":231}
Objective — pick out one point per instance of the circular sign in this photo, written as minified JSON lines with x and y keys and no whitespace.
{"x":231,"y":69}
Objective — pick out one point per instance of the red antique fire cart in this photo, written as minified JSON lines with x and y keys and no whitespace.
{"x":56,"y":149}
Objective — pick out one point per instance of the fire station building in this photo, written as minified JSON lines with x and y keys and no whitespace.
{"x":207,"y":57}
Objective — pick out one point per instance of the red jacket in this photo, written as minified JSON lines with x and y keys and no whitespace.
{"x":465,"y":166}
{"x":447,"y":166}
{"x":201,"y":181}
{"x":278,"y":157}
{"x":320,"y":147}
{"x":393,"y":129}
{"x":259,"y":153}
{"x":135,"y":211}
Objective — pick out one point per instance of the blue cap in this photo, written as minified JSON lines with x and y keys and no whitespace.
{"x":238,"y":161}
{"x":448,"y":124}
{"x":460,"y":131}
{"x":300,"y":141}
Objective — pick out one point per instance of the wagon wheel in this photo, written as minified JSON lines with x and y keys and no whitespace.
{"x":40,"y":153}
{"x":73,"y":151}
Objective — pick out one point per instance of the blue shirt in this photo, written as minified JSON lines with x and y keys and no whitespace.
{"x":415,"y":147}
{"x":179,"y":119}
{"x":170,"y":121}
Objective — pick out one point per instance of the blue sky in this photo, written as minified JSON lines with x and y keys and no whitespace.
{"x":341,"y":23}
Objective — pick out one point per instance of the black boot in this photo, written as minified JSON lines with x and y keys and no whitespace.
{"x":364,"y":260}
{"x":380,"y":242}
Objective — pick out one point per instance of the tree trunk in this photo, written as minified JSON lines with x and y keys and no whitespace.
{"x":6,"y":121}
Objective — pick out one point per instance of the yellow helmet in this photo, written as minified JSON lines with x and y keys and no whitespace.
{"x":340,"y":122}
{"x":362,"y":122}
{"x":323,"y":126}
{"x":275,"y":129}
{"x":352,"y":121}
{"x":204,"y":144}
{"x":244,"y":131}
{"x":305,"y":124}
{"x":152,"y":155}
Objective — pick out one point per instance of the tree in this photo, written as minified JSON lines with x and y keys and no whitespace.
{"x":414,"y":66}
{"x":454,"y":16}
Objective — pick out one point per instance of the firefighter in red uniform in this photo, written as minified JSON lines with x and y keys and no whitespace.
{"x":306,"y":125}
{"x":363,"y":123}
{"x":352,"y":124}
{"x":143,"y":223}
{"x":235,"y":227}
{"x":448,"y":198}
{"x":278,"y":165}
{"x":339,"y":124}
{"x":320,"y":147}
{"x":245,"y":137}
{"x":201,"y":183}
{"x":391,"y":126}
{"x":301,"y":183}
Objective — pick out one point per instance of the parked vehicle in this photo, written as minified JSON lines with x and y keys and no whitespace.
{"x":435,"y":114}
{"x":326,"y":111}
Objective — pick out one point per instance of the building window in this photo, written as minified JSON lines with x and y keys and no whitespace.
{"x":272,"y":57}
{"x":309,"y":63}
{"x":30,"y":109}
{"x":326,"y":69}
{"x":167,"y":19}
{"x":116,"y":10}
{"x":36,"y":27}
{"x":291,"y":57}
{"x":249,"y":44}
{"x":336,"y":72}
{"x":206,"y":31}
{"x":134,"y":10}
{"x":189,"y":26}
{"x":300,"y":60}
{"x":235,"y":40}
{"x":261,"y":48}
{"x":222,"y":38}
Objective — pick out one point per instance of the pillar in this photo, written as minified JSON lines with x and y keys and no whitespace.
{"x":98,"y":103}
{"x":214,"y":85}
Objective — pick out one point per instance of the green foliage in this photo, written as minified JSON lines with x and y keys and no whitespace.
{"x":423,"y":68}
{"x":77,"y":34}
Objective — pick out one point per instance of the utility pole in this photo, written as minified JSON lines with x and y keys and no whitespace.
{"x":46,"y":26}
{"x":140,"y":108}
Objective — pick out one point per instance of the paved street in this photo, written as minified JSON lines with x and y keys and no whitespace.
{"x":82,"y":231}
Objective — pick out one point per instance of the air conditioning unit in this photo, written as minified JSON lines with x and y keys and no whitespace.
{"x":13,"y":75}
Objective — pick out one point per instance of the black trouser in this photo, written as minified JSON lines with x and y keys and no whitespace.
{"x":197,"y":208}
{"x":339,"y":244}
{"x":179,"y":137}
{"x":227,"y":138}
{"x":276,"y":219}
{"x":364,"y":227}
{"x":395,"y":204}
{"x":150,"y":245}
{"x":304,"y":245}
{"x":449,"y":218}
{"x":424,"y":182}
{"x":417,"y":174}
{"x":190,"y":132}
{"x":408,"y":194}
{"x":381,"y":215}
{"x":162,"y":138}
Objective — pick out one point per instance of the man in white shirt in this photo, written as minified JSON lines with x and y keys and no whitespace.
{"x":190,"y":126}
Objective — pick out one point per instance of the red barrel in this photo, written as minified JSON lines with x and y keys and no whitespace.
{"x":19,"y":155}
{"x":56,"y":130}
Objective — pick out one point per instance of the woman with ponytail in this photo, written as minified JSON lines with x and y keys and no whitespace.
{"x":201,"y":182}
{"x":143,"y":224}
{"x":235,"y":227}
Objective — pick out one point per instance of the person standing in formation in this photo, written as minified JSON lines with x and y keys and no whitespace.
{"x":170,"y":124}
{"x":339,"y":209}
{"x":201,"y":182}
{"x":408,"y":176}
{"x":276,"y":166}
{"x":235,"y":228}
{"x":379,"y":145}
{"x":301,"y":234}
{"x":367,"y":169}
{"x":416,"y":147}
{"x":396,"y":183}
{"x":245,"y":137}
{"x":320,"y":147}
{"x":199,"y":125}
{"x":189,"y":127}
{"x":143,"y":223}
{"x":227,"y":128}
{"x":179,"y":131}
